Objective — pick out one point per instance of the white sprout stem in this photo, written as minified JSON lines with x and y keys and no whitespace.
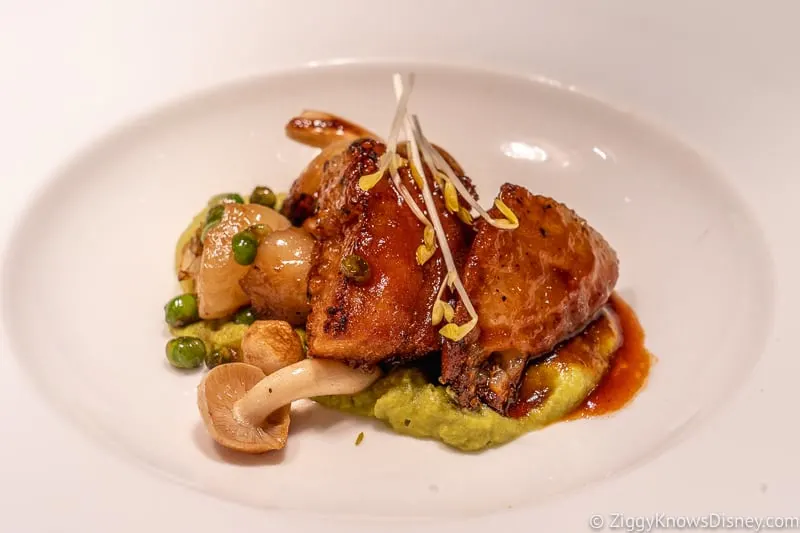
{"x":388,"y":163}
{"x":413,"y":155}
{"x":441,"y":164}
{"x":429,"y":204}
{"x":447,"y":281}
{"x":402,"y":95}
{"x":401,"y":111}
{"x":414,"y":133}
{"x":406,"y":194}
{"x":441,"y":289}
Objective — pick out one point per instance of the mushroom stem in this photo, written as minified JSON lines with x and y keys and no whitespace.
{"x":304,"y":379}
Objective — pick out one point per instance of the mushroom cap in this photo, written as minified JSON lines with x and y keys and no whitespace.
{"x":271,"y":345}
{"x":321,"y":129}
{"x":216,"y":396}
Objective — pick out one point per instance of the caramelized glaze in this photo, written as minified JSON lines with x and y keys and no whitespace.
{"x":628,"y":372}
{"x":573,"y":370}
{"x":532,"y":288}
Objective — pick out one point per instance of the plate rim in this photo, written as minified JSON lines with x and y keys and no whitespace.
{"x":177,"y":107}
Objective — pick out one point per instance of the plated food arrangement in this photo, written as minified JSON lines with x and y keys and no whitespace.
{"x":381,"y":287}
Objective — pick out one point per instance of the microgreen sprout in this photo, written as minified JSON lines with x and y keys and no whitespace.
{"x":420,"y":153}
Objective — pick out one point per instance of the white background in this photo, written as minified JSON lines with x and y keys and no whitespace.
{"x":722,"y":75}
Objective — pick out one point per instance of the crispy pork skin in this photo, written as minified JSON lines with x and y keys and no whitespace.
{"x":386,"y":317}
{"x":532,"y":287}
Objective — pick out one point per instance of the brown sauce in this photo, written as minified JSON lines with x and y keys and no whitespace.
{"x":628,"y":372}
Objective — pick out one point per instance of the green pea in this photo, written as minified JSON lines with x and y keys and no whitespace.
{"x":221,"y":356}
{"x":181,"y":310}
{"x":245,"y":246}
{"x":354,"y":266}
{"x":263,"y":196}
{"x":215,"y":214}
{"x":226,"y":198}
{"x":186,"y":352}
{"x":245,"y":316}
{"x":259,"y":231}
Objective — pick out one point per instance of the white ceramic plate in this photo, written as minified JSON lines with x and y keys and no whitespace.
{"x":687,"y":180}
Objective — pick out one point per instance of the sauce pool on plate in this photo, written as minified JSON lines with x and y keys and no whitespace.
{"x":628,"y":372}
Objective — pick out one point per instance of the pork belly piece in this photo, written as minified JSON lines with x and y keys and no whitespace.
{"x":331,"y":133}
{"x":387,"y":316}
{"x":532,"y":288}
{"x":303,"y":198}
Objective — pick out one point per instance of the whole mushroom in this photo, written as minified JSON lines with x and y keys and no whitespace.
{"x":217,"y":396}
{"x":244,"y":410}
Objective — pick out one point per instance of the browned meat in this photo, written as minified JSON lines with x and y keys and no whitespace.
{"x":532,"y":288}
{"x":301,"y":202}
{"x":386,"y":317}
{"x":331,"y":133}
